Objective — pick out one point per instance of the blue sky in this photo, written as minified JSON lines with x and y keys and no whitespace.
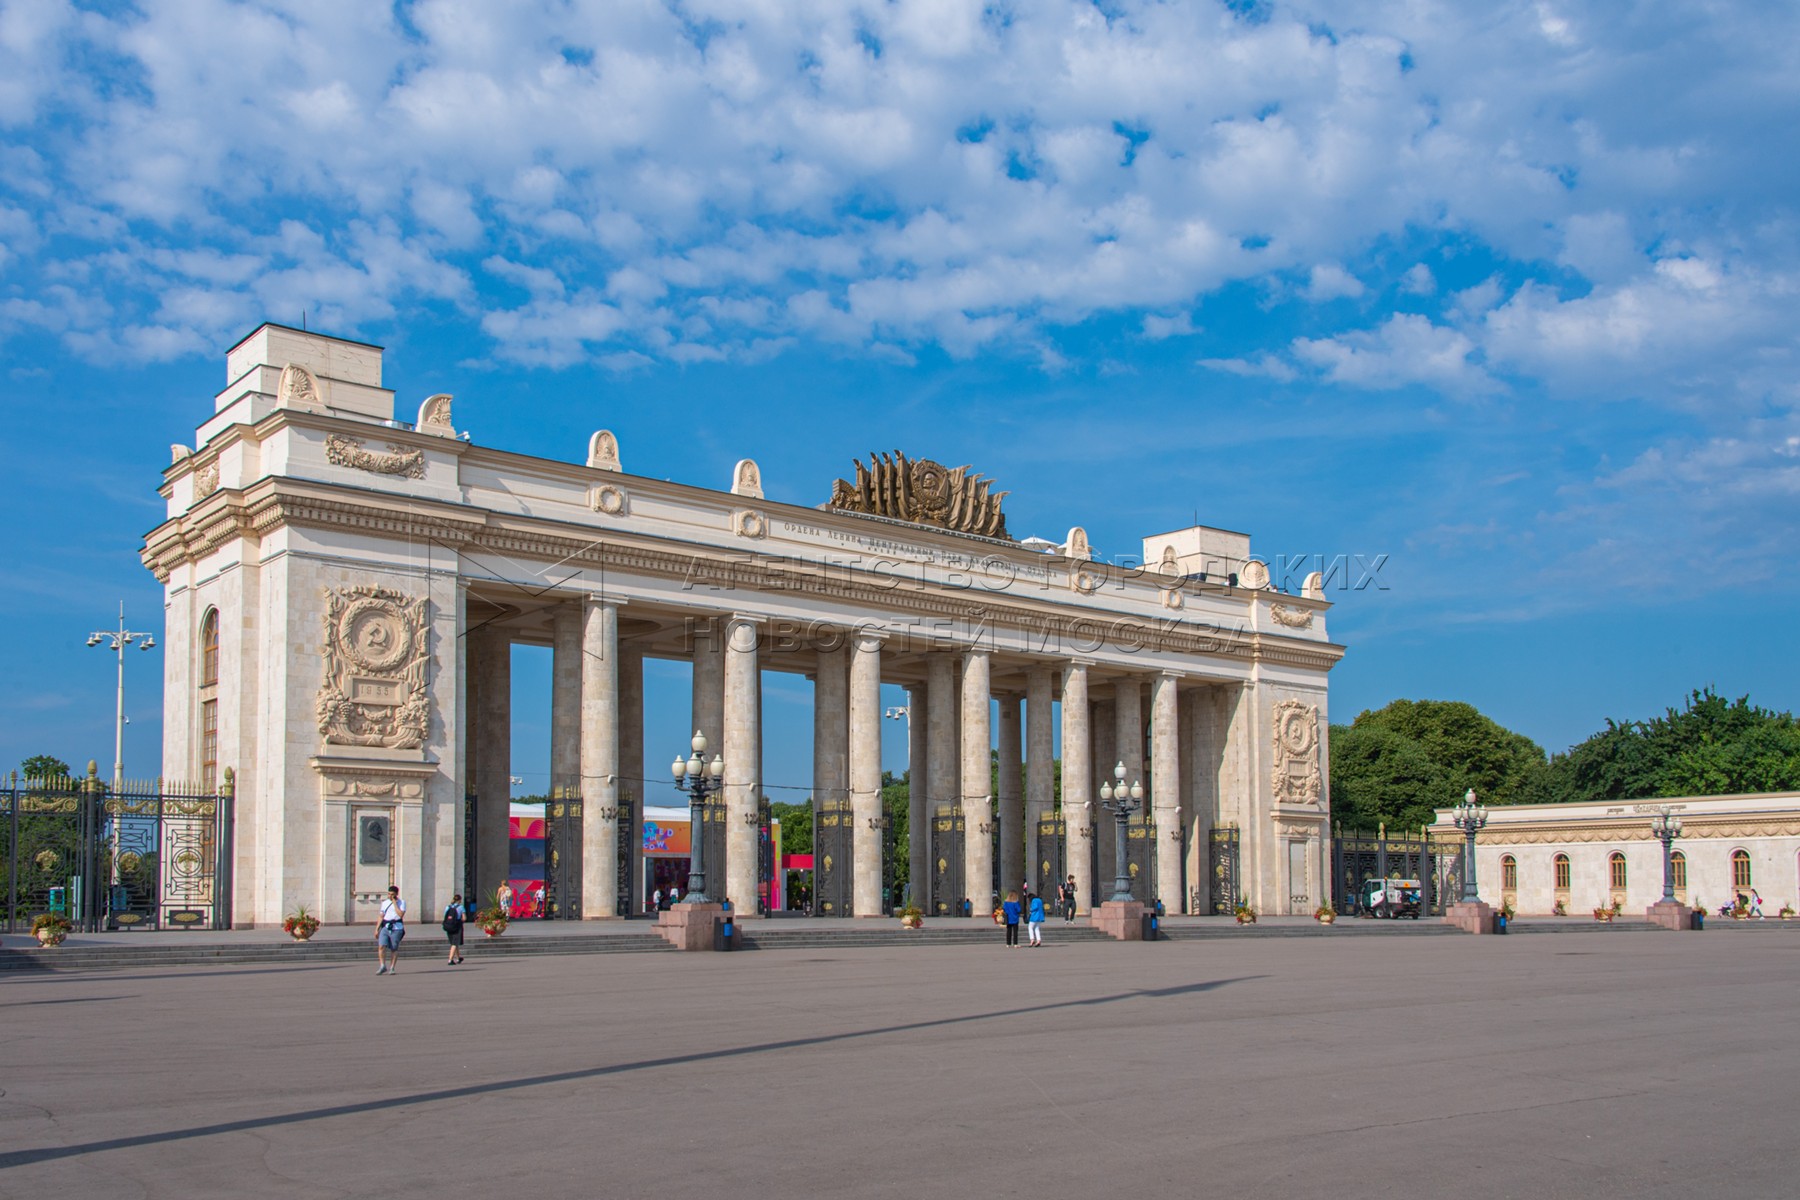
{"x":1504,"y":293}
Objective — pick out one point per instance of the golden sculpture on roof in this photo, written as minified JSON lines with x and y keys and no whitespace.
{"x":923,"y":492}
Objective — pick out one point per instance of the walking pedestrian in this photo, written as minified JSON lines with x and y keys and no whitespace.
{"x":1068,"y":901}
{"x":656,"y":900}
{"x":1009,"y":913}
{"x":388,"y":933}
{"x":453,"y":929}
{"x":1035,"y":915}
{"x":503,"y":899}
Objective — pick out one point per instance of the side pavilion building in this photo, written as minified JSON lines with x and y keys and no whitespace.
{"x":343,"y":589}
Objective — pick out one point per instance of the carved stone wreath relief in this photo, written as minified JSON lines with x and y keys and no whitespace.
{"x":1297,"y":777}
{"x":376,"y":654}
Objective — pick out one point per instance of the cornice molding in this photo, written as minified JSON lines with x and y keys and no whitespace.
{"x":271,"y":502}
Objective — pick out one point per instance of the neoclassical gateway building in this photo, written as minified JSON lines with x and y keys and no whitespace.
{"x":343,"y":589}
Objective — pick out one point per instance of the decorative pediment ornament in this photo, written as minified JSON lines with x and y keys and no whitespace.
{"x":376,"y":654}
{"x":177,"y":452}
{"x":1077,"y":545}
{"x":298,"y":388}
{"x":1255,"y":575}
{"x":746,"y":479}
{"x":434,"y":415}
{"x":348,"y":452}
{"x":747,"y":522}
{"x":1293,"y":618}
{"x":206,"y":481}
{"x":922,"y":492}
{"x":603,"y":451}
{"x":1297,"y":777}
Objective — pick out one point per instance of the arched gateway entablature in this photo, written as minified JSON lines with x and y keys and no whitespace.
{"x":1212,"y":689}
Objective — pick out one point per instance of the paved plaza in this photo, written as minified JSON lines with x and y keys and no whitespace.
{"x":1611,"y":1064}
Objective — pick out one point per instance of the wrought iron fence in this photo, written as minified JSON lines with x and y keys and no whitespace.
{"x":150,"y":855}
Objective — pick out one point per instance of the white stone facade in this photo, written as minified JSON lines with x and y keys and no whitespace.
{"x":369,"y":575}
{"x":1763,"y":828}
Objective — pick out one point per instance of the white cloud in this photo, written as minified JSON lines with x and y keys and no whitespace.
{"x":1329,"y":281}
{"x":926,"y":171}
{"x":1406,"y":350}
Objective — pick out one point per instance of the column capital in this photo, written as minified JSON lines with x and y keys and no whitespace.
{"x":866,"y":639}
{"x":596,"y":600}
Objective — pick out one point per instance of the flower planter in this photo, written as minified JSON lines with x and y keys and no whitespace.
{"x":301,"y":935}
{"x":48,"y":937}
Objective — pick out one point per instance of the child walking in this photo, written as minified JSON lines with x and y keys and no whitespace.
{"x":1035,"y":919}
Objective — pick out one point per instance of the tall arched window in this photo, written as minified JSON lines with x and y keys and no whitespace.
{"x":209,"y":698}
{"x":1615,"y":863}
{"x":1678,"y":870}
{"x":1562,"y":872}
{"x":1740,"y":869}
{"x":1509,"y":873}
{"x":209,"y":648}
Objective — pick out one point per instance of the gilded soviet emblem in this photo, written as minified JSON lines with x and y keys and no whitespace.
{"x":922,"y":492}
{"x":376,"y":655}
{"x":1297,"y":777}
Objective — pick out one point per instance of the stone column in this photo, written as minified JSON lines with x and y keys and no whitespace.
{"x":599,"y":760}
{"x":977,"y":775}
{"x":918,"y":813}
{"x":565,"y":697}
{"x":631,"y":762}
{"x":943,"y":757}
{"x":831,"y":743}
{"x":1012,"y":797}
{"x":1128,"y":741}
{"x":493,"y":756}
{"x":743,"y":754}
{"x":1103,"y":736}
{"x":709,"y":698}
{"x":1165,"y":789}
{"x":1040,"y":765}
{"x":1077,"y":775}
{"x":865,"y":775}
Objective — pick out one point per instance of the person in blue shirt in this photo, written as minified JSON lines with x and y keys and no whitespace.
{"x":1010,"y":914}
{"x":1035,"y":917}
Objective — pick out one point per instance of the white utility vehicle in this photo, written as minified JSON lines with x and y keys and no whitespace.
{"x":1392,"y":898}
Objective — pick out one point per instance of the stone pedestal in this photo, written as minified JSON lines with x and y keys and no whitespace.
{"x":691,"y":926}
{"x":1471,"y":916}
{"x":1122,"y":919}
{"x":1670,"y":915}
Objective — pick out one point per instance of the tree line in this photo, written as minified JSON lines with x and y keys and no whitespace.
{"x":1399,"y":763}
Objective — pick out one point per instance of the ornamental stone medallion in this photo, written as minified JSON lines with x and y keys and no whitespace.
{"x":376,"y":654}
{"x":1297,"y":777}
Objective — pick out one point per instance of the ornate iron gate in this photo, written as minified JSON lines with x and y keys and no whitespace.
{"x":1222,"y":865}
{"x":1140,"y":856}
{"x":1052,"y":842}
{"x":562,"y":855}
{"x":1359,"y":856}
{"x":148,"y":856}
{"x":891,"y":862}
{"x":765,"y":856}
{"x":468,"y":872}
{"x":831,"y":858}
{"x":713,"y":820}
{"x":630,"y":833}
{"x":947,"y":859}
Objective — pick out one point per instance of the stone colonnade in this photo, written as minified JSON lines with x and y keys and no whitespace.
{"x":597,"y":754}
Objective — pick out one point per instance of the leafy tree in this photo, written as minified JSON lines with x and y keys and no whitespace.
{"x":1379,"y":776}
{"x":1472,"y":750}
{"x":796,"y":826}
{"x":43,"y":766}
{"x":1710,"y":747}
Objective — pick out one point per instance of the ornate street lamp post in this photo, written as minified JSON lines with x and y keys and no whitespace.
{"x":116,"y":640}
{"x":1471,"y":817}
{"x":697,"y":779}
{"x":1121,"y":802}
{"x":1666,"y":825}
